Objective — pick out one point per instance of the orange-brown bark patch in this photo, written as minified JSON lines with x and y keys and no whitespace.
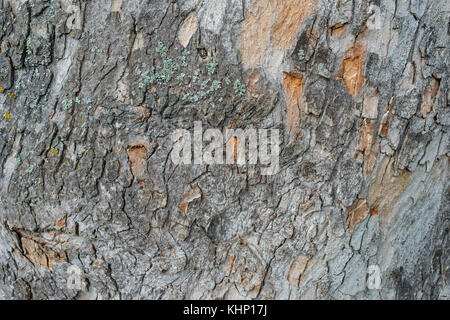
{"x":40,"y":254}
{"x":431,"y":92}
{"x":252,"y":87}
{"x":357,"y":213}
{"x":270,"y":22}
{"x":188,"y":29}
{"x":296,"y":270}
{"x":386,"y":188}
{"x":293,"y":88}
{"x":365,"y":136}
{"x":255,"y":34}
{"x":289,"y":20}
{"x":352,"y":69}
{"x":137,"y":155}
{"x":61,"y":222}
{"x":338,"y":30}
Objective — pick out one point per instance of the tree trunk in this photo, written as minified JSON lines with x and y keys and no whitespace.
{"x":93,"y":205}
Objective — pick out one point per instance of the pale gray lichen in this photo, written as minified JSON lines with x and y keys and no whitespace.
{"x":162,"y":49}
{"x":239,"y":88}
{"x":211,"y":67}
{"x":301,"y":55}
{"x":67,"y":104}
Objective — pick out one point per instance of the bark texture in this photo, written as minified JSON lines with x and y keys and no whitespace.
{"x":91,"y":90}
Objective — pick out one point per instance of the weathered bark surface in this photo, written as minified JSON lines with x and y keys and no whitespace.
{"x":92,"y":90}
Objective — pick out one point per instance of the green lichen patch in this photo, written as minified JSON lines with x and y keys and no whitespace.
{"x":172,"y":68}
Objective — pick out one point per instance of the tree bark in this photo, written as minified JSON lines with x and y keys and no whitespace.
{"x":92,"y":90}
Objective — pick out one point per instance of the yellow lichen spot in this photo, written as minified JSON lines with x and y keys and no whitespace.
{"x":1,"y":89}
{"x":11,"y":95}
{"x":7,"y":115}
{"x":54,"y":150}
